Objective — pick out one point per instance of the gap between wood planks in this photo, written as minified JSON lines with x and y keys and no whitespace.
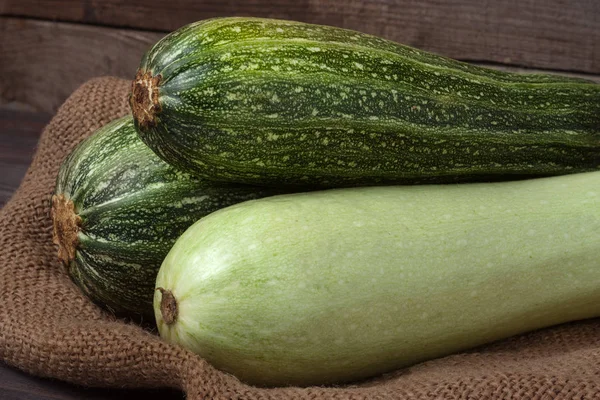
{"x":43,"y":62}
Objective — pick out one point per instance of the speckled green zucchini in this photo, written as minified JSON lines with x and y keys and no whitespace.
{"x":277,"y":102}
{"x":117,"y":211}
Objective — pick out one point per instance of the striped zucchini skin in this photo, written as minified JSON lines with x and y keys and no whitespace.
{"x":278,"y":102}
{"x":132,"y":207}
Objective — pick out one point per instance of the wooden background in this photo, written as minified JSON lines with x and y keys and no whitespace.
{"x":49,"y":47}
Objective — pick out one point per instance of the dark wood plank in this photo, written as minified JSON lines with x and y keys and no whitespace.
{"x":43,"y":62}
{"x":17,"y":385}
{"x":551,"y":34}
{"x":19,"y":133}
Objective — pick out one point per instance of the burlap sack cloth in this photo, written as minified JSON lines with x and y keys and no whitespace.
{"x":48,"y":328}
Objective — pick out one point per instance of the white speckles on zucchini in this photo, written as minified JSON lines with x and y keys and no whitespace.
{"x":298,"y":78}
{"x":133,"y":206}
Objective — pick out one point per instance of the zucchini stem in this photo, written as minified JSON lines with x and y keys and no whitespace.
{"x":66,"y":225}
{"x":168,"y":306}
{"x":144,"y":98}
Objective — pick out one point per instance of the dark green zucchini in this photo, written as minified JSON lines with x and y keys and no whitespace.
{"x":118,"y":209}
{"x":278,"y":102}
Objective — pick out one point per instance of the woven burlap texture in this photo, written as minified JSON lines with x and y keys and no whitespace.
{"x":48,"y":328}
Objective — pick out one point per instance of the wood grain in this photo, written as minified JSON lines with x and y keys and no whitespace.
{"x":43,"y":62}
{"x":550,"y":34}
{"x":19,"y":133}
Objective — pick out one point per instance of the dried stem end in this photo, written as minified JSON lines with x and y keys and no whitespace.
{"x":66,"y":227}
{"x":168,"y":306}
{"x":144,"y":98}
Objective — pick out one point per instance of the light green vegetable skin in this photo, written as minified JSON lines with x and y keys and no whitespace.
{"x":338,"y":285}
